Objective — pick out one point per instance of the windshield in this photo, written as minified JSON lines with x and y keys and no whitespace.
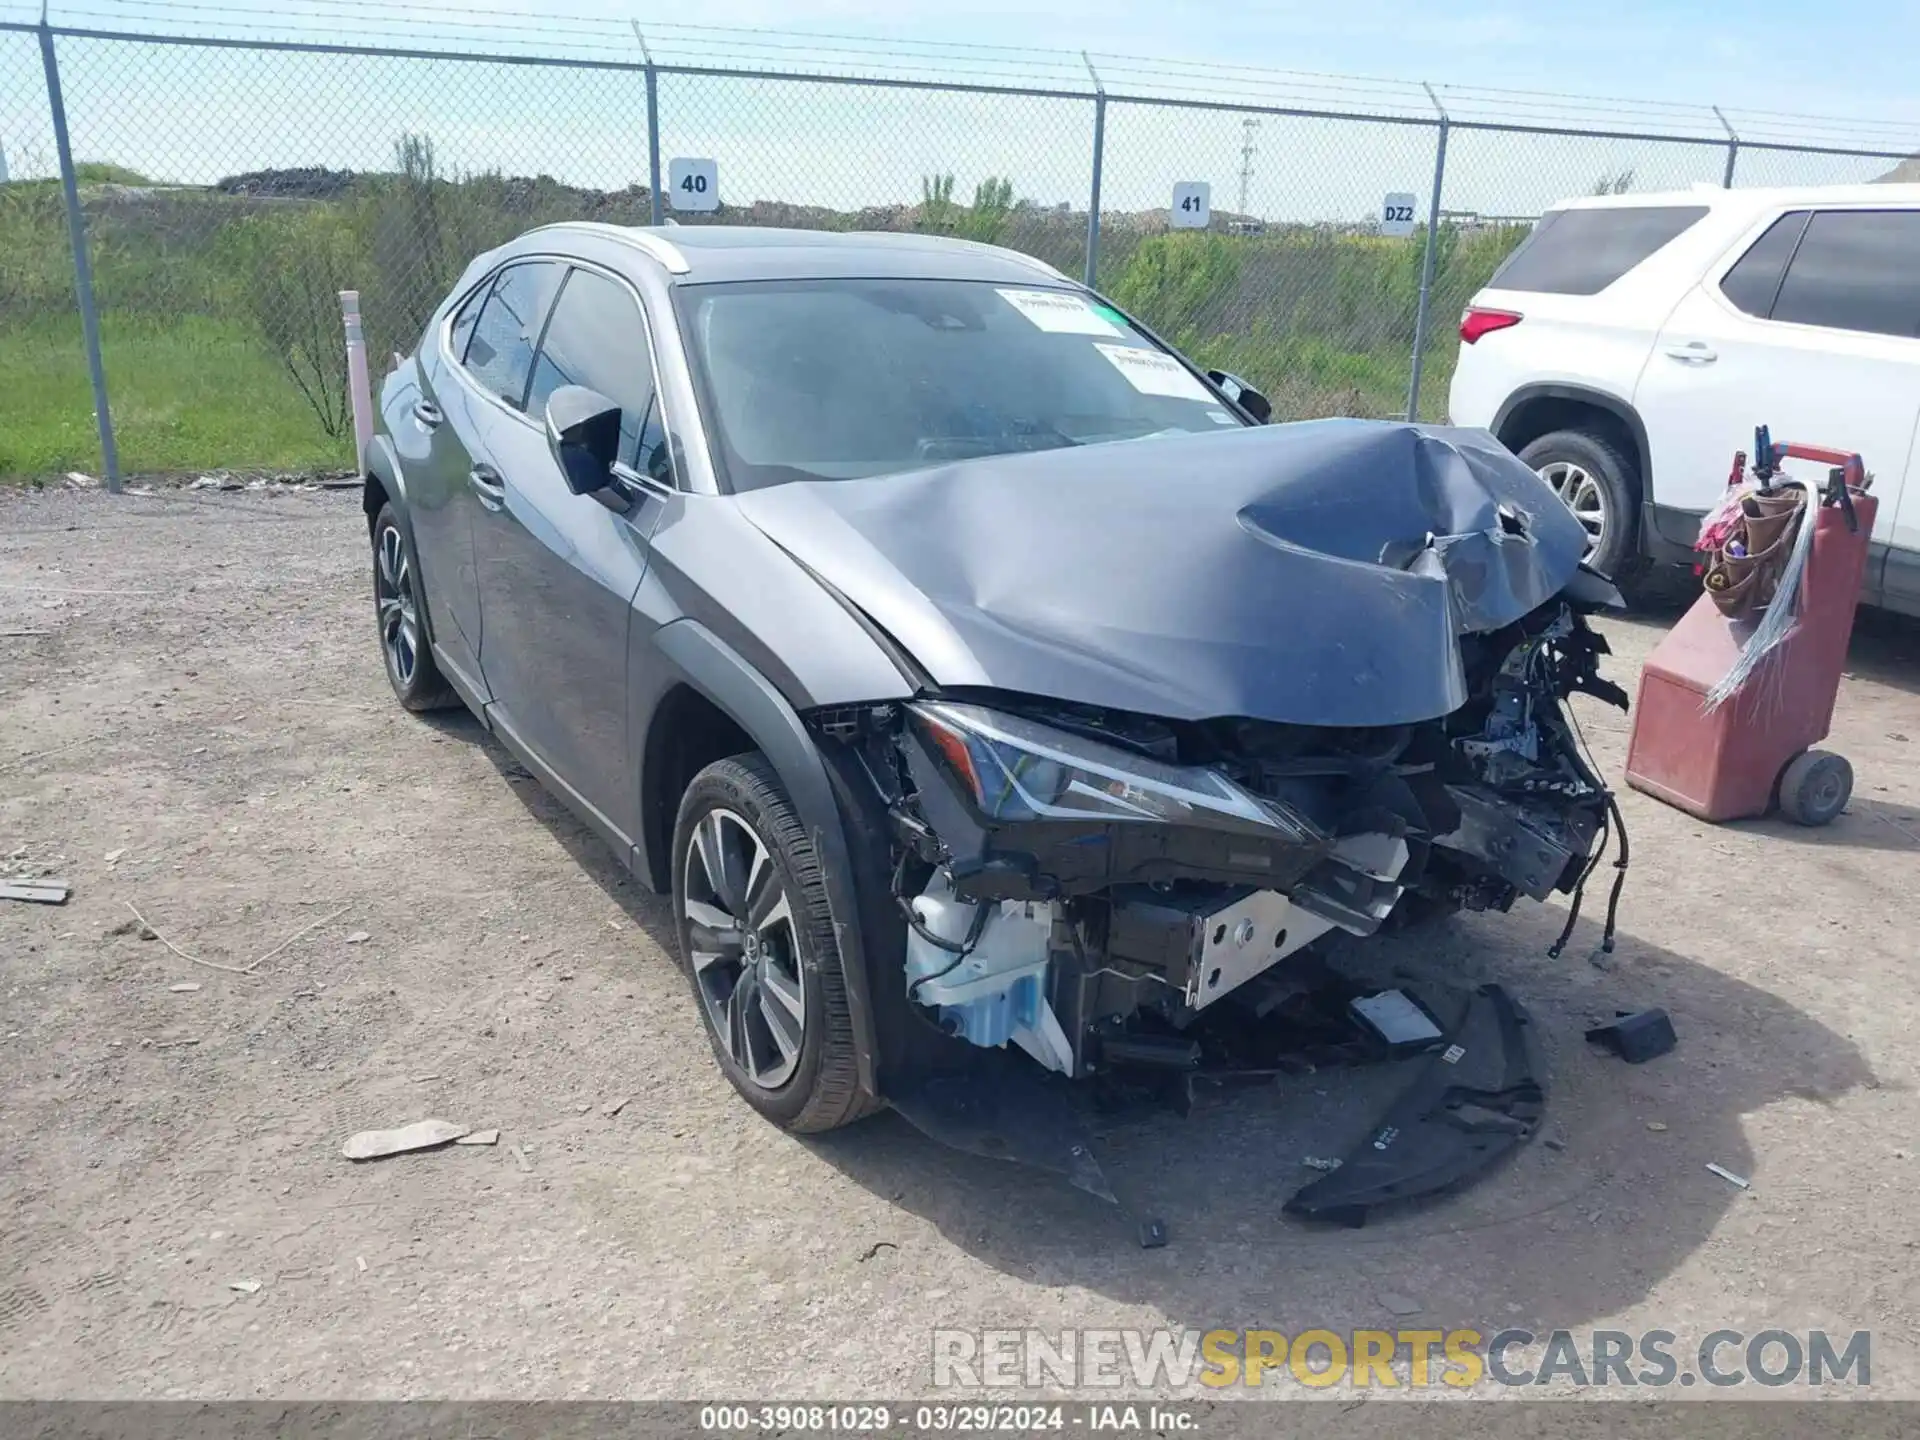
{"x":842,"y":379}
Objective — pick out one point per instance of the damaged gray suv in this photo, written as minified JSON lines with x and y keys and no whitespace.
{"x":986,"y":684}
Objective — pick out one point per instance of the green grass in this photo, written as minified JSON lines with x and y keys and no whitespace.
{"x":105,"y":172}
{"x":188,"y":393}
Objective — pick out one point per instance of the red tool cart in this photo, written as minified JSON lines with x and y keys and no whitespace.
{"x":1727,"y":752}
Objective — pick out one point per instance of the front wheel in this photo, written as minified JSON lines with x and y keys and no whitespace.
{"x":1597,"y":483}
{"x":756,"y":936}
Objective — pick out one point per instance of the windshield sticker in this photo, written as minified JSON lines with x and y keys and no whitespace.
{"x":1152,"y":373}
{"x":1059,"y":312}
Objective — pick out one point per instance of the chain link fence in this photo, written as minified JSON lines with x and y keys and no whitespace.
{"x":228,"y":189}
{"x":1291,"y":284}
{"x":43,"y":364}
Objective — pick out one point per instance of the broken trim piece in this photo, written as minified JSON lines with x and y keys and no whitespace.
{"x":1003,"y":1109}
{"x":1476,"y":1101}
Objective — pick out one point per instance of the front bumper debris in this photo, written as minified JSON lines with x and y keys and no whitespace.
{"x":1001,"y":1108}
{"x":1478,"y":1100}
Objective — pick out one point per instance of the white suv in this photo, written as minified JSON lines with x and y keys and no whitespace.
{"x":1631,"y":343}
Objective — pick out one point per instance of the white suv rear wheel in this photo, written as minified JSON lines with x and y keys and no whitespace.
{"x":1597,"y":483}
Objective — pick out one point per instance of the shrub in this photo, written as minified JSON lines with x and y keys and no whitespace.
{"x":300,"y":262}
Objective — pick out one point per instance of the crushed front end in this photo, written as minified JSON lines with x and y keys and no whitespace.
{"x":1083,"y":884}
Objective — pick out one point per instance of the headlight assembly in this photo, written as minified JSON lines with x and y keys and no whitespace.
{"x":1015,"y":769}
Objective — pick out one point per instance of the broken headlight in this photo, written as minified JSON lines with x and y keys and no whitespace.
{"x":1016,"y":769}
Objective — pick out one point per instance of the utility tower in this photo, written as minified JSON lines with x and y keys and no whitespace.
{"x":1248,"y":125}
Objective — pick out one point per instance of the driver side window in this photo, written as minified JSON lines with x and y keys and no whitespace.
{"x":598,"y":338}
{"x":500,"y":351}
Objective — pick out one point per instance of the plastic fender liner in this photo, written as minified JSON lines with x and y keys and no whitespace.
{"x":1476,"y":1101}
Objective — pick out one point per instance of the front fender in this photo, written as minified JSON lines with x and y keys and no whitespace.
{"x":718,"y":672}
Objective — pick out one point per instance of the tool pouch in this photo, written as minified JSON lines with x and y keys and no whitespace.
{"x":1743,"y":583}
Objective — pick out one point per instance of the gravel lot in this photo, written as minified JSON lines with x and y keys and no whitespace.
{"x":198,"y":724}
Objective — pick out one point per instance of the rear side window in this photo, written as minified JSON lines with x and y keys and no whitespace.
{"x":1581,"y":252}
{"x":500,"y":352}
{"x":464,"y":322}
{"x":1754,"y":280}
{"x":598,"y":338}
{"x":1856,"y":270}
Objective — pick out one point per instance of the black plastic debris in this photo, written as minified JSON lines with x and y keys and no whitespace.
{"x":1475,"y":1102}
{"x":1636,"y":1037}
{"x":1006,"y":1108}
{"x":1153,"y":1233}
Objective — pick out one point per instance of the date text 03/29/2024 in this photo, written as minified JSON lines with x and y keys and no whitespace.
{"x":982,"y":1418}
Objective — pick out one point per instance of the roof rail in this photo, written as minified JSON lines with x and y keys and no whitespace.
{"x":661,"y":249}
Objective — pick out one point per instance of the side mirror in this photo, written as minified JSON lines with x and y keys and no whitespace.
{"x":1242,"y":394}
{"x":583,"y":432}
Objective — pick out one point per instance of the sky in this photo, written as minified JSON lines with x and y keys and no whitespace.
{"x":193,"y":115}
{"x":1652,"y":49}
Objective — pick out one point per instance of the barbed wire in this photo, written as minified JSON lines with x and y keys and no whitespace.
{"x":827,"y":53}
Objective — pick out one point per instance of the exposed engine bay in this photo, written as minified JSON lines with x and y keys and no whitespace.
{"x":1083,"y":884}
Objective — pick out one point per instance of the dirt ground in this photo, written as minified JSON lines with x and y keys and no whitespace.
{"x":198,"y":725}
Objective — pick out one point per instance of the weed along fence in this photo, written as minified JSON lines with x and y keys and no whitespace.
{"x":178,"y":212}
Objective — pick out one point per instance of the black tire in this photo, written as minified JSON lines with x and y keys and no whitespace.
{"x":1815,"y":787}
{"x":822,"y":1090}
{"x":398,"y":614}
{"x":1616,"y":485}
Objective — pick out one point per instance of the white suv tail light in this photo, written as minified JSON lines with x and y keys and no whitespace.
{"x":1475,"y":322}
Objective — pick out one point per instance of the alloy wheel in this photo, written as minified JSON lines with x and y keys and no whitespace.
{"x":399,"y":614}
{"x":1580,"y":493}
{"x":744,"y":950}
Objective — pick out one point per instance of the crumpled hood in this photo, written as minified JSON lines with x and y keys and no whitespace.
{"x":1317,"y":573}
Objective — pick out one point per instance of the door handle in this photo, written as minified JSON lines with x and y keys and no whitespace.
{"x":427,"y":413}
{"x":1694,"y":352}
{"x":488,"y":485}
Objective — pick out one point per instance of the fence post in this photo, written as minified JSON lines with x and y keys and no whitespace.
{"x":1099,"y":158}
{"x":1427,"y":261}
{"x":1733,"y":149}
{"x":359,"y":392}
{"x":653,"y":128}
{"x":82,"y":269}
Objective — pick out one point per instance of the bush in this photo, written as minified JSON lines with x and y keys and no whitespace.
{"x":1177,"y":282}
{"x":36,"y":263}
{"x":298,"y":264}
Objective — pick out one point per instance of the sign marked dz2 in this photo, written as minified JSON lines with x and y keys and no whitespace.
{"x":1396,"y":214}
{"x":693,"y":184}
{"x":1192,"y":205}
